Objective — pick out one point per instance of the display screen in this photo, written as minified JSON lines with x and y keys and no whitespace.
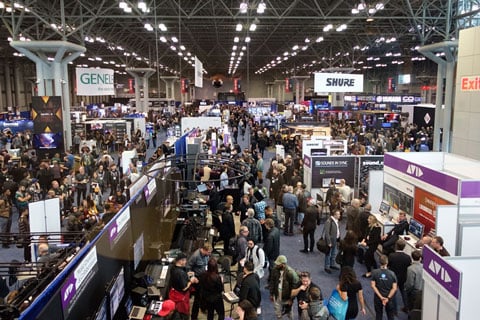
{"x":416,"y":228}
{"x":101,"y":313}
{"x":150,"y":190}
{"x":47,"y":140}
{"x":384,"y":208}
{"x":116,"y":292}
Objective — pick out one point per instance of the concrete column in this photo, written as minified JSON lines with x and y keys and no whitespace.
{"x":18,"y":83}
{"x":280,"y":90}
{"x":170,"y":86}
{"x":141,"y":76}
{"x":8,"y":86}
{"x":300,"y":88}
{"x":52,"y":76}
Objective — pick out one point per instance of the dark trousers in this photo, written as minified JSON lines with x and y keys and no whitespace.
{"x":81,"y":193}
{"x":306,"y":235}
{"x":389,"y":309}
{"x":196,"y":303}
{"x":289,"y":217}
{"x":215,"y":307}
{"x":370,"y":261}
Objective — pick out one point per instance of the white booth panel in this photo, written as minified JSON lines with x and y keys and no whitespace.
{"x":375,"y":189}
{"x":429,"y":306}
{"x":37,"y":216}
{"x":469,"y":240}
{"x":446,"y":226}
{"x":52,"y":218}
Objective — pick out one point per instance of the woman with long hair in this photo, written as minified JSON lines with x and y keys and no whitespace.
{"x":370,"y":243}
{"x":211,"y":288}
{"x":246,"y":311}
{"x":348,"y":249}
{"x":350,"y":287}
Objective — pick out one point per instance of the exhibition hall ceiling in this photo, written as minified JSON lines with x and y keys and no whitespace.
{"x":290,"y":37}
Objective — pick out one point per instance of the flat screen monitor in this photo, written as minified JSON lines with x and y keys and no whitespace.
{"x":384,"y":208}
{"x":326,"y":182}
{"x":416,"y":228}
{"x":102,"y":311}
{"x":202,"y":187}
{"x":116,"y":291}
{"x":47,"y":140}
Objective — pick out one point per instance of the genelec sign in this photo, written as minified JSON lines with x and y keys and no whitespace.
{"x":338,"y":82}
{"x":95,"y":82}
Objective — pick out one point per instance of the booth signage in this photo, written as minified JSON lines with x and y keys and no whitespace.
{"x":470,"y":83}
{"x":75,"y":284}
{"x":430,"y":176}
{"x":95,"y":82}
{"x":338,"y":82}
{"x":425,"y":208}
{"x":118,"y":227}
{"x":442,"y":272}
{"x":307,"y":161}
{"x":337,"y":167}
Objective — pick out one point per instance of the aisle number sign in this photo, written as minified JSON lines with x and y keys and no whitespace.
{"x":338,"y":82}
{"x":95,"y":82}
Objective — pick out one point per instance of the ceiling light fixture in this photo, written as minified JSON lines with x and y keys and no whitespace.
{"x":253,"y":27}
{"x":261,"y":7}
{"x":243,"y":7}
{"x":162,"y":27}
{"x":239,"y":27}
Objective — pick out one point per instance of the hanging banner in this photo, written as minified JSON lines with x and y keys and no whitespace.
{"x":184,"y":83}
{"x":338,"y":82}
{"x":95,"y":82}
{"x":237,"y":87}
{"x":288,"y":85}
{"x":131,"y":85}
{"x":198,"y":73}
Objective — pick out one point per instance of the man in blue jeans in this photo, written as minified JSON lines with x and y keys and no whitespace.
{"x":332,"y":237}
{"x":290,"y":204}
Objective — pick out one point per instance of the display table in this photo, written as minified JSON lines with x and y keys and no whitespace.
{"x":387,"y":224}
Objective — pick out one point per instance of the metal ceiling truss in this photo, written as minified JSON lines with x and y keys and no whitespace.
{"x":207,"y":28}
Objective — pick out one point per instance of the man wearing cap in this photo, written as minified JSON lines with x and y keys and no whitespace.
{"x":282,"y":280}
{"x":180,"y":285}
{"x":168,"y":310}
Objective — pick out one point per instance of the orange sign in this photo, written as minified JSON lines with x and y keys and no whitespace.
{"x":425,"y":208}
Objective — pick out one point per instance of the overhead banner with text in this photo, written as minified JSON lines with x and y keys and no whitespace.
{"x":198,"y":73}
{"x":338,"y":82}
{"x":95,"y":82}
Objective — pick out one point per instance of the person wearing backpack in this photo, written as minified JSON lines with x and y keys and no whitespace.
{"x":256,"y":255}
{"x":282,"y":280}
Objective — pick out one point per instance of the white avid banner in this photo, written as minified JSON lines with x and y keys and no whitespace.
{"x":338,"y":82}
{"x":95,"y":82}
{"x":198,"y":73}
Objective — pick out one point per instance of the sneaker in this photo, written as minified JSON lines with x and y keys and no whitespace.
{"x":328,"y":270}
{"x":334,"y":267}
{"x":304,"y":251}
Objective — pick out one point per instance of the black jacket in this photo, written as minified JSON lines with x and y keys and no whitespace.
{"x":310,"y":219}
{"x":272,"y":244}
{"x":250,"y":290}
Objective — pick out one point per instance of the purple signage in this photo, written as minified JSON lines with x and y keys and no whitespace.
{"x":470,"y":189}
{"x":440,"y":270}
{"x":430,"y":176}
{"x":68,"y":291}
{"x":113,"y":232}
{"x":307,"y":161}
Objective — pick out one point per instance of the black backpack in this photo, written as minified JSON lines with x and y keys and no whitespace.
{"x":233,"y":248}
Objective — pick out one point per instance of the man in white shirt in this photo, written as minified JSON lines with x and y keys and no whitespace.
{"x":345,"y":191}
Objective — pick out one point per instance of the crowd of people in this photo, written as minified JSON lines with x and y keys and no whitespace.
{"x":274,"y":201}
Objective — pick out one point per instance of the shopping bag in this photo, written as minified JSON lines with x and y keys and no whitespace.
{"x":337,"y":306}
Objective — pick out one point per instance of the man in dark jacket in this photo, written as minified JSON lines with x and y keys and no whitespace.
{"x":250,"y":288}
{"x":227,"y":229}
{"x":332,"y":236}
{"x":399,"y":262}
{"x":389,"y":239}
{"x":282,"y":297}
{"x":309,"y":224}
{"x":272,"y":243}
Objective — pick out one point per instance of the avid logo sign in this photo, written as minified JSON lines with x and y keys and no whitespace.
{"x":415,"y":171}
{"x":438,"y":270}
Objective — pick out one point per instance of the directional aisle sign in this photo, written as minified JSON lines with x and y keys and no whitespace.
{"x":442,"y":273}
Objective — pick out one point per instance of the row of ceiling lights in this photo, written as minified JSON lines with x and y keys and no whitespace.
{"x":237,"y":55}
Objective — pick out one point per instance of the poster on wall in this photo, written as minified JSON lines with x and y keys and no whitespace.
{"x":47,"y":114}
{"x":425,"y":207}
{"x":324,"y":169}
{"x":398,"y":199}
{"x":365,"y":165}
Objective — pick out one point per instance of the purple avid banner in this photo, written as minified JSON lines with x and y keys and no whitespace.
{"x":446,"y":276}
